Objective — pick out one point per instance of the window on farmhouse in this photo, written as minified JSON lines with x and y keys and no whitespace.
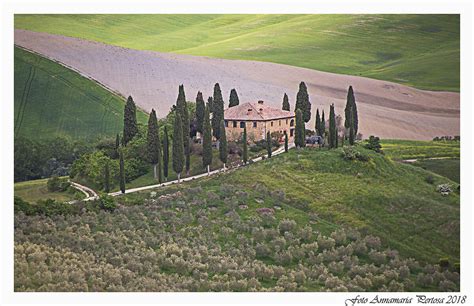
{"x":226,"y":123}
{"x":234,"y":124}
{"x":242,"y":124}
{"x":279,"y":122}
{"x":255,"y":124}
{"x":292,"y":122}
{"x":286,"y":121}
{"x":271,"y":123}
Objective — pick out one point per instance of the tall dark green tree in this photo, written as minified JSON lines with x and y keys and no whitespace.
{"x":122,"y":173}
{"x":200,"y":109}
{"x":106,"y":177}
{"x":323,"y":125}
{"x":223,"y":151}
{"x":178,"y":146}
{"x":351,"y":128}
{"x":318,"y":123}
{"x":218,"y":111}
{"x":245,"y":150}
{"x":182,"y":109}
{"x":207,"y":141}
{"x":269,"y":145}
{"x":303,"y":103}
{"x":154,"y":145}
{"x":117,"y":146}
{"x":210,"y":102}
{"x":350,"y":112}
{"x":286,"y":142}
{"x":299,"y":129}
{"x":286,"y":103}
{"x":130,"y":127}
{"x":332,"y":127}
{"x":166,"y":153}
{"x":234,"y":98}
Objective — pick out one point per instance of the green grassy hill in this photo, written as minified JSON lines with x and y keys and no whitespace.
{"x":51,"y":100}
{"x":417,"y":50}
{"x":380,"y":197}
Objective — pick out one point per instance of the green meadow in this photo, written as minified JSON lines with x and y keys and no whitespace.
{"x":33,"y":191}
{"x":51,"y":101}
{"x":379,"y":197}
{"x":417,"y":50}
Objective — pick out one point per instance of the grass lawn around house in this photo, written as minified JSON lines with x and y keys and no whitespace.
{"x":416,"y":50}
{"x":32,"y":191}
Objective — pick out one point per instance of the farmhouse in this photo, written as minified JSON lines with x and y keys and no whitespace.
{"x":259,"y":118}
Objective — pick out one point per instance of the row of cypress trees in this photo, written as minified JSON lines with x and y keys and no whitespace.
{"x":350,"y":124}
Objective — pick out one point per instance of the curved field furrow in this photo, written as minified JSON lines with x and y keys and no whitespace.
{"x":386,"y":109}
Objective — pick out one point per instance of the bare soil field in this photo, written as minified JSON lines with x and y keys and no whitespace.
{"x":386,"y":109}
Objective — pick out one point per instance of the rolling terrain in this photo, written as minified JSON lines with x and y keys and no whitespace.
{"x":308,"y":220}
{"x":386,"y":109}
{"x":51,"y":100}
{"x":415,"y":50}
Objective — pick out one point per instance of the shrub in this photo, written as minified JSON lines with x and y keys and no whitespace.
{"x":262,"y":251}
{"x":374,"y":144}
{"x":23,"y":206}
{"x":444,"y":189}
{"x":444,"y":262}
{"x":56,"y":184}
{"x":107,"y":202}
{"x":326,"y":243}
{"x":286,"y":225}
{"x":349,"y":153}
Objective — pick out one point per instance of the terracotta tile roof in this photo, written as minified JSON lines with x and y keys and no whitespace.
{"x":255,"y":111}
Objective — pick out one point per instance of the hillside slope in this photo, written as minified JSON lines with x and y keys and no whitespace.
{"x":51,"y":100}
{"x":384,"y":198}
{"x":416,"y":50}
{"x":386,"y":109}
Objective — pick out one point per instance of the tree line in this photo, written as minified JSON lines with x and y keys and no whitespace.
{"x":331,"y":134}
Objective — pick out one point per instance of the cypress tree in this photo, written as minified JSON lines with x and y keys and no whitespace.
{"x":117,"y":146}
{"x":299,"y":129}
{"x":130,"y":127}
{"x":107,"y":177}
{"x":323,"y":125}
{"x":234,"y":98}
{"x":223,"y":144}
{"x":332,"y":127}
{"x":302,"y":102}
{"x":154,"y":145}
{"x":350,"y":112}
{"x":318,"y":123}
{"x":245,"y":152}
{"x":286,"y":103}
{"x":286,"y":142}
{"x":122,"y":173}
{"x":206,"y":141}
{"x":178,"y":146}
{"x":351,"y":129}
{"x":200,"y":108}
{"x":166,"y":153}
{"x":218,"y":111}
{"x":210,"y":102}
{"x":182,"y":109}
{"x":269,"y":145}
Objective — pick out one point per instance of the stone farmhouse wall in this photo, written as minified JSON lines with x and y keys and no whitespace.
{"x":257,"y":130}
